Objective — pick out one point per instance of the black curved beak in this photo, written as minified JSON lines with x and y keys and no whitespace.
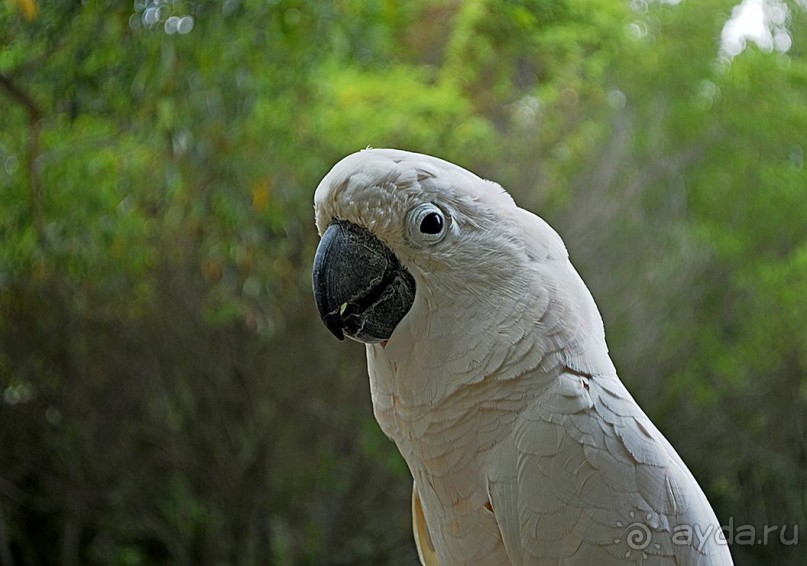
{"x":360,"y":287}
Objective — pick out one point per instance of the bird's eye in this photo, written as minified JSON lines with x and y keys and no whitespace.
{"x":426,"y":224}
{"x":432,"y":223}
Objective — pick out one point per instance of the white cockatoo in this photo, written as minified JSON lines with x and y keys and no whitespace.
{"x":489,"y":369}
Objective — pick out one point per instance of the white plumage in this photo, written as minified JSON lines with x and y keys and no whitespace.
{"x":497,"y":387}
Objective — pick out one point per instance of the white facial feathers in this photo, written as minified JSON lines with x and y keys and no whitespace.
{"x":376,"y":188}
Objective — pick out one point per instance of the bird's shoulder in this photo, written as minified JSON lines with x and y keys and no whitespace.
{"x":586,"y":475}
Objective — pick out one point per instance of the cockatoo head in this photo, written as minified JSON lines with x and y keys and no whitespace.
{"x":405,"y":232}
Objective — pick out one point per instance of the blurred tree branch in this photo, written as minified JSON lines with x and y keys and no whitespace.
{"x":34,"y":113}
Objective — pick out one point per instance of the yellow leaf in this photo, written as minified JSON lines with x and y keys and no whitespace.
{"x":260,"y":195}
{"x":29,"y":8}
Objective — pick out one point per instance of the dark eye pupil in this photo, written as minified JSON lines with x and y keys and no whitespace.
{"x":431,"y":224}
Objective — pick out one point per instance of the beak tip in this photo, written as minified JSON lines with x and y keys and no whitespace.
{"x":333,"y":322}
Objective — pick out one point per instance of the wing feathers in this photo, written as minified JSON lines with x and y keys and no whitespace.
{"x":423,"y":540}
{"x":590,"y":470}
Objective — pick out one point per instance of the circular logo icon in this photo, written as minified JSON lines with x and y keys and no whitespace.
{"x":637,"y":536}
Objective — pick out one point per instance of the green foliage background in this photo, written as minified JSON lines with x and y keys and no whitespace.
{"x":169,"y":395}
